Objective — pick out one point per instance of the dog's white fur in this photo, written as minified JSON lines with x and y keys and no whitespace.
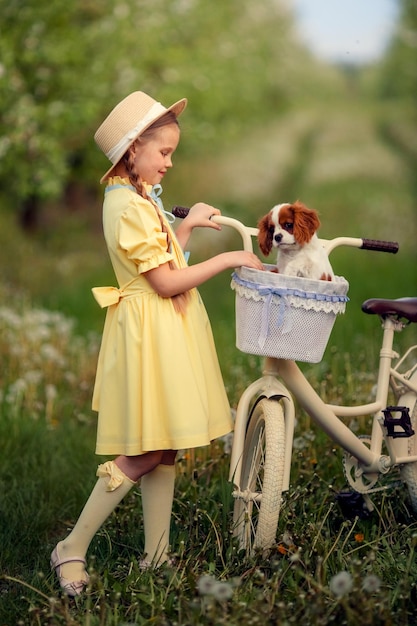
{"x":291,"y":229}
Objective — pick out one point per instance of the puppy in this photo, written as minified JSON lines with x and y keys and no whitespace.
{"x":291,"y":228}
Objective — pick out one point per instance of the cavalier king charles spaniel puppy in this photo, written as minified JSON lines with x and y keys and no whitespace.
{"x":291,"y":228}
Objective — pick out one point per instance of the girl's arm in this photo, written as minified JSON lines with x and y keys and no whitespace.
{"x":199,"y":215}
{"x":169,"y":282}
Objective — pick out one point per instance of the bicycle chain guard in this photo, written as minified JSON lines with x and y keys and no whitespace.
{"x":362,"y":482}
{"x":357,"y":479}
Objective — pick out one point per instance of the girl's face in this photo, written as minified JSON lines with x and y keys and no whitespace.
{"x":153,"y":157}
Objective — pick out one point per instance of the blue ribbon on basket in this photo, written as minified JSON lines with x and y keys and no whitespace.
{"x":284,"y":319}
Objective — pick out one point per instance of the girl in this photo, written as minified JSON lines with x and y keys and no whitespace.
{"x":158,"y":385}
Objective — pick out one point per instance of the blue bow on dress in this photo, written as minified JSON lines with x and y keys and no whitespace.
{"x":155,"y":195}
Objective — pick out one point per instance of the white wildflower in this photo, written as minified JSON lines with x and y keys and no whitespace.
{"x":50,"y":353}
{"x":299,"y":443}
{"x":228,"y":442}
{"x":16,"y":390}
{"x":51,"y":392}
{"x":33,"y":377}
{"x":205,"y":585}
{"x":303,"y":441}
{"x":341,"y":584}
{"x":222,"y":591}
{"x":371,"y":583}
{"x":12,"y":319}
{"x":209,"y":586}
{"x":295,"y":556}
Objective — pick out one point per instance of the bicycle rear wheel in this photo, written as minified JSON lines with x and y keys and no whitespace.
{"x":256,"y":509}
{"x":409,"y":470}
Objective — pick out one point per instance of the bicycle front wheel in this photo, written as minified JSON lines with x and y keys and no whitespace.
{"x":257,"y":506}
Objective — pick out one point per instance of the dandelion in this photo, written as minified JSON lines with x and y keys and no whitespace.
{"x":11,"y":318}
{"x":227,"y":443}
{"x":33,"y":377}
{"x":303,"y":441}
{"x":205,"y":585}
{"x":51,"y":392}
{"x":371,"y":583}
{"x":359,"y":537}
{"x":16,"y":391}
{"x":299,"y":443}
{"x":341,"y":584}
{"x":296,"y":556}
{"x":50,"y":353}
{"x":222,"y":591}
{"x":209,"y":586}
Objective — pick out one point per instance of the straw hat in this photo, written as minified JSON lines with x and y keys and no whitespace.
{"x":129,"y":119}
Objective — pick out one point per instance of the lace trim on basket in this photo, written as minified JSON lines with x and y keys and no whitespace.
{"x":297,"y":298}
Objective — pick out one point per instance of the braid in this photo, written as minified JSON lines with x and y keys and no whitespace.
{"x":181,"y":299}
{"x":128,"y":161}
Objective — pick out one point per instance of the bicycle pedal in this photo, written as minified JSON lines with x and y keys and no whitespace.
{"x":402,"y":422}
{"x":354,"y":504}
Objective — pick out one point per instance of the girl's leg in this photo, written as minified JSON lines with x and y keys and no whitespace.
{"x":157,"y":497}
{"x":116,"y":478}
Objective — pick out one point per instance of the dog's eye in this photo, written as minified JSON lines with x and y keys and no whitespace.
{"x":288,"y":226}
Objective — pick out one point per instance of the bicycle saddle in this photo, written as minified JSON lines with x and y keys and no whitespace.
{"x":402,"y":307}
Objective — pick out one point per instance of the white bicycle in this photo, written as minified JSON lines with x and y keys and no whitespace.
{"x":263,"y":436}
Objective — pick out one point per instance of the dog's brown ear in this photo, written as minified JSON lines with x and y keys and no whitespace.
{"x":306,"y":222}
{"x":266,"y":232}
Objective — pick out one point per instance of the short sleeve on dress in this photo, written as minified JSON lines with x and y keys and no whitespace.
{"x":140,"y":234}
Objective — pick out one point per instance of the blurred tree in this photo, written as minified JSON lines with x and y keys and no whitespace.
{"x":65,"y":64}
{"x":399,"y":70}
{"x":46,"y":72}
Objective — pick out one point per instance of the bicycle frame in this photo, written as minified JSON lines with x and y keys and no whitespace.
{"x":327,"y":416}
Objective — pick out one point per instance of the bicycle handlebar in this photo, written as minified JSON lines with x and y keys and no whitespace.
{"x":247,"y":232}
{"x":180,"y":211}
{"x":380,"y":246}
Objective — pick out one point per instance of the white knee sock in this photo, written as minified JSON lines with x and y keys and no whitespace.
{"x":107,"y":493}
{"x":157,"y":497}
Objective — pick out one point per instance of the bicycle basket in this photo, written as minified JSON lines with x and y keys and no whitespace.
{"x":286,"y":317}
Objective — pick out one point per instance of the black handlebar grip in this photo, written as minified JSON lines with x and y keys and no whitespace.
{"x":180,"y":211}
{"x":380,"y":246}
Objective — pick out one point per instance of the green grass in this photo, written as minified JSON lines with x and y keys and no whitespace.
{"x":47,"y":470}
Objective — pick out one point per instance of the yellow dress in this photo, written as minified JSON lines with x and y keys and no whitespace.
{"x":158,"y":383}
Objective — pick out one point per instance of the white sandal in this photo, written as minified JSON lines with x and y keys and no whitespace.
{"x":72,"y":588}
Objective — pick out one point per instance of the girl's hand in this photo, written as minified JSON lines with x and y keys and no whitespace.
{"x":200,"y":214}
{"x":238,"y":258}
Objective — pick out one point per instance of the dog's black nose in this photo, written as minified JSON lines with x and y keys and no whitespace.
{"x":278,"y":237}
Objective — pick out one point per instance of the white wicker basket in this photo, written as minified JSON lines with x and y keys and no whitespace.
{"x":286,"y":317}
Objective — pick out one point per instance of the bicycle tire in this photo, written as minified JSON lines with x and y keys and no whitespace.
{"x":255,"y":516}
{"x":409,"y":470}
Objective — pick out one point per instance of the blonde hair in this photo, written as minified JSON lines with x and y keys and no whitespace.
{"x":180,"y":300}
